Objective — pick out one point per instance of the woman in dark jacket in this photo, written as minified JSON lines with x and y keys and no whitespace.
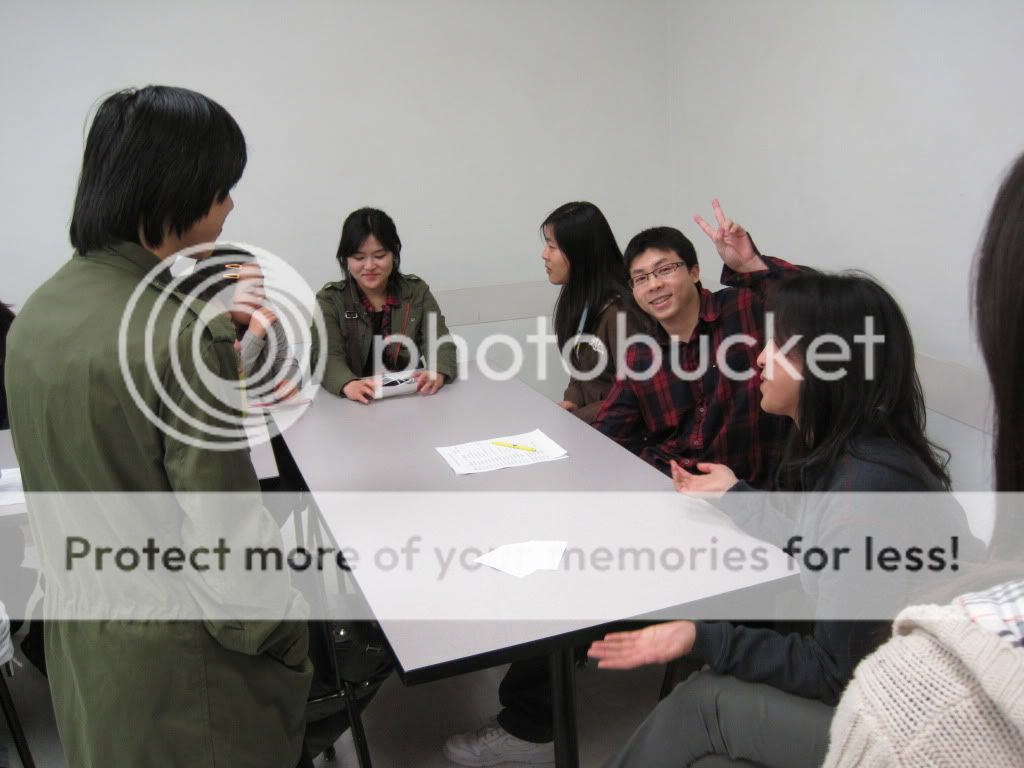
{"x":842,"y":368}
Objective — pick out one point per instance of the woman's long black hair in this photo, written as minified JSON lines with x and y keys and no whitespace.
{"x":358,"y":226}
{"x":596,"y":273}
{"x":879,"y":395}
{"x":999,"y":314}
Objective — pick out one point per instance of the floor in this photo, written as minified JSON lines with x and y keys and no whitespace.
{"x":405,"y":726}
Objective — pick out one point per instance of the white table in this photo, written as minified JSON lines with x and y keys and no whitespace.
{"x":10,"y":514}
{"x":340,"y":445}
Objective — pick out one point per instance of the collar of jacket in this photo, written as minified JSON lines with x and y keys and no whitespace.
{"x":708,"y":313}
{"x":132,"y":255}
{"x":136,"y":259}
{"x":405,"y":289}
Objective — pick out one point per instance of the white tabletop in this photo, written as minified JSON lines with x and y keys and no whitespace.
{"x":628,"y":554}
{"x":8,"y":460}
{"x":7,"y":457}
{"x":340,"y":445}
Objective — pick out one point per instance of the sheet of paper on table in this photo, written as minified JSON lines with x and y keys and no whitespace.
{"x":11,"y":491}
{"x":525,"y":557}
{"x":502,"y":452}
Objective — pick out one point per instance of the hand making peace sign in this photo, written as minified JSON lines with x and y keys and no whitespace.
{"x":732,"y":241}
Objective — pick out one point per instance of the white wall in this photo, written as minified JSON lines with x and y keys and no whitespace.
{"x":869,"y":134}
{"x":467,"y":121}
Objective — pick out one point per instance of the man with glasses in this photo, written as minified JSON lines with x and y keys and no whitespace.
{"x":692,"y":393}
{"x":676,"y":407}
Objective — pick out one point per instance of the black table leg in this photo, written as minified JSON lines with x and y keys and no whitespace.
{"x":356,"y":721}
{"x":563,"y":701}
{"x":20,"y":742}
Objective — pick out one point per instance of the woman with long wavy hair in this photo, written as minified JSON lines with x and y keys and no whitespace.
{"x":769,"y":696}
{"x":581,"y":255}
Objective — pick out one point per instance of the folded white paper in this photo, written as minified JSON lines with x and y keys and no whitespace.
{"x":525,"y":557}
{"x":501,"y":452}
{"x":393,"y":385}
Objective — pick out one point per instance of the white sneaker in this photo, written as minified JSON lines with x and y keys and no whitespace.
{"x":493,"y":745}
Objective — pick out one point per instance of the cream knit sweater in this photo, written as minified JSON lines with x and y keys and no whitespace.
{"x":943,"y":692}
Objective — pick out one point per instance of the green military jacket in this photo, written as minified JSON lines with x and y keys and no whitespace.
{"x":350,"y":335}
{"x":146,"y":693}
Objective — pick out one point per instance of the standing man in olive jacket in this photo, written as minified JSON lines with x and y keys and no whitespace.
{"x":156,"y":177}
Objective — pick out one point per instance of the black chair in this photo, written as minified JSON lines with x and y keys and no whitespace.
{"x":11,"y":716}
{"x":349,"y":666}
{"x":351,"y":659}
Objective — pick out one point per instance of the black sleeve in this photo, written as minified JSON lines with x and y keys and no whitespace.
{"x":817,"y":666}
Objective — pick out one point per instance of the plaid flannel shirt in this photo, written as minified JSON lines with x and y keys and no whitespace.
{"x":714,"y":417}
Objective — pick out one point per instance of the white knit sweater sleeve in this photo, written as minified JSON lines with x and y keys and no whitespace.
{"x":942,"y":692}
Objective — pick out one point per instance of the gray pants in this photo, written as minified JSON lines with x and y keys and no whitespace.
{"x":714,"y":721}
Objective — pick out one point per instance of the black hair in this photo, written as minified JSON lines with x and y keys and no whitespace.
{"x":880,"y":393}
{"x":156,"y":159}
{"x":662,"y":239}
{"x":6,"y":319}
{"x":596,"y":275}
{"x":999,"y":314}
{"x":358,"y":226}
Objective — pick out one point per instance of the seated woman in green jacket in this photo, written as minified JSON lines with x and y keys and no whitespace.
{"x":373,"y":301}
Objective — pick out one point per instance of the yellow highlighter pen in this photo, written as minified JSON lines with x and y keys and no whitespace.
{"x":513,"y":445}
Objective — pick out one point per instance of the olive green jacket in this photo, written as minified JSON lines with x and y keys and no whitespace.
{"x":146,"y":693}
{"x":349,"y":333}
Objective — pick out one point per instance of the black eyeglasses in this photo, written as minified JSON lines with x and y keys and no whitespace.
{"x":663,"y":271}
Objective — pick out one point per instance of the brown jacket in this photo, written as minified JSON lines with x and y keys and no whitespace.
{"x":590,"y":395}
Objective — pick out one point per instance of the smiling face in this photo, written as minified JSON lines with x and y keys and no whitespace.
{"x":669,"y":298}
{"x":780,"y":388}
{"x":555,"y":262}
{"x":371,"y":266}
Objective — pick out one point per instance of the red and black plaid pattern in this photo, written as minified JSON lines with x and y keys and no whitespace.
{"x":390,"y":302}
{"x":713,"y":418}
{"x":380,"y":322}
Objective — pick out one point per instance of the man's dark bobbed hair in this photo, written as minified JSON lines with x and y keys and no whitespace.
{"x":156,"y":159}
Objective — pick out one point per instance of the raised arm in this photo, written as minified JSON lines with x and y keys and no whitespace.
{"x":732,"y":242}
{"x":219,"y":495}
